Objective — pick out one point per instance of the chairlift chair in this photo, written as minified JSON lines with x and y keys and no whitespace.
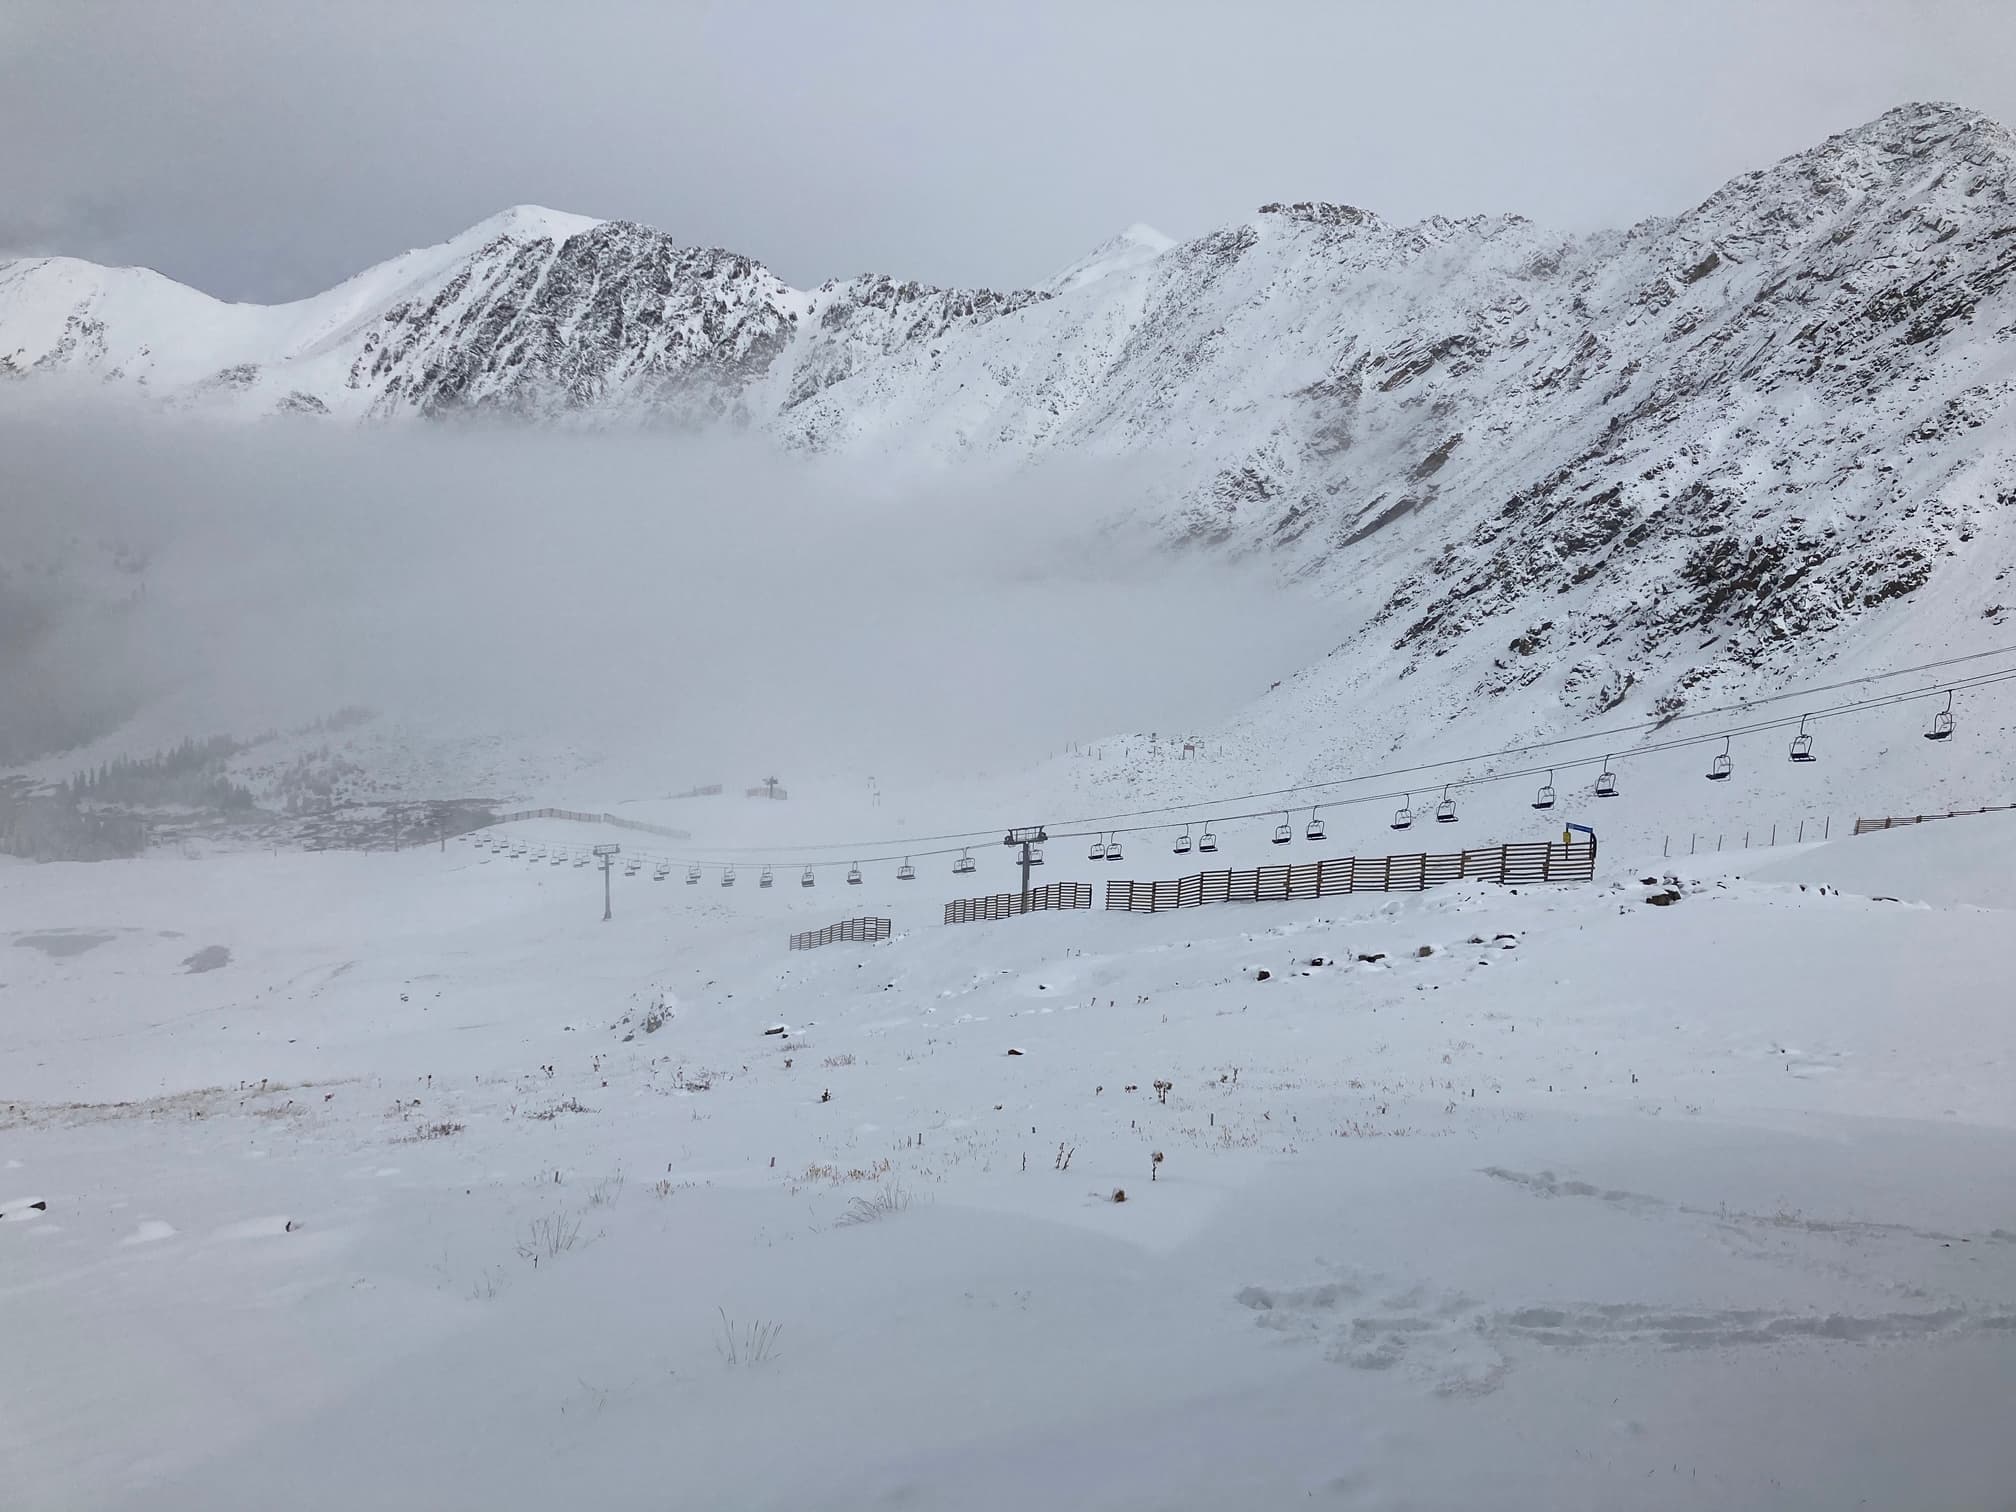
{"x":1208,"y":841}
{"x":965,"y":865}
{"x":1544,"y":799}
{"x":1606,"y":781}
{"x":1802,"y":744}
{"x":806,"y":880}
{"x":1035,"y":855}
{"x":906,"y":872}
{"x":1097,"y":851}
{"x":661,"y":873}
{"x":1720,"y":768}
{"x":1445,"y":811}
{"x":727,"y":876}
{"x":1113,"y":850}
{"x":764,"y":878}
{"x":1314,"y":829}
{"x":854,"y":875}
{"x":692,"y":875}
{"x":1942,"y":722}
{"x":557,"y":861}
{"x":1183,"y":842}
{"x":1403,"y":816}
{"x":1284,"y":831}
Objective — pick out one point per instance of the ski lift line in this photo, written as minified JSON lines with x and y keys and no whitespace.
{"x":866,"y":851}
{"x":1789,"y":721}
{"x":1982,"y":680}
{"x":1107,"y":820}
{"x":1785,"y":722}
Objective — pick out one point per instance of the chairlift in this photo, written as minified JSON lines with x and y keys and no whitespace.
{"x":1113,"y":850}
{"x":854,"y":875}
{"x":1942,"y":722}
{"x":727,"y":876}
{"x":1035,"y":855}
{"x":1183,"y":842}
{"x":1314,"y":829}
{"x":1445,"y":811}
{"x":1802,"y":744}
{"x":1606,"y":781}
{"x":692,"y":875}
{"x":1403,"y":816}
{"x":1284,"y":831}
{"x":631,"y":868}
{"x":1720,"y":768}
{"x":965,"y":865}
{"x":557,"y":861}
{"x":764,"y":879}
{"x":906,"y":872}
{"x":1097,"y":852}
{"x":661,"y":873}
{"x":1544,"y":799}
{"x":806,"y":880}
{"x":581,"y":860}
{"x":1207,"y":842}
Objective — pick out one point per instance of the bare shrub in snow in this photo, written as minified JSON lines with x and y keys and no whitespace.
{"x":605,"y":1192}
{"x":893,"y":1197}
{"x":565,"y":1105}
{"x":746,"y":1343}
{"x":549,"y":1237}
{"x":838,"y":1060}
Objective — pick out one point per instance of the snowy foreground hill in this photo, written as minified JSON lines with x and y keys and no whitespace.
{"x":402,"y":1181}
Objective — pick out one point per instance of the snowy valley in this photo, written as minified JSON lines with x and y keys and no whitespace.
{"x":351,"y":1157}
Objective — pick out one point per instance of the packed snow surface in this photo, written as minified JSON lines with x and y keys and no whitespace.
{"x":442,"y":1192}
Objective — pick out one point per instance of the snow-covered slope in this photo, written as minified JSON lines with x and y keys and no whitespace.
{"x":403,"y":1181}
{"x":1131,"y":249}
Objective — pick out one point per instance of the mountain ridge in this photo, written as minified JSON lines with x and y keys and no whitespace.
{"x":1778,"y":411}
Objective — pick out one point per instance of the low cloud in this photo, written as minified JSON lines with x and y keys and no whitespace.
{"x":716,"y":603}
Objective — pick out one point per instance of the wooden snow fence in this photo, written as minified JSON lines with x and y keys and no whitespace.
{"x":863,"y":929}
{"x":1515,"y":864}
{"x":1869,"y":826}
{"x":1009,"y":905}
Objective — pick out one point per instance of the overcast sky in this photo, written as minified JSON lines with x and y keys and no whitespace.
{"x":265,"y":149}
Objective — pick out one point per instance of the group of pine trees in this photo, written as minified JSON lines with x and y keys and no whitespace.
{"x":190,"y":775}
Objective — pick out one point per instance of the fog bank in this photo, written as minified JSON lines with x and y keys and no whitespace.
{"x":709,"y":600}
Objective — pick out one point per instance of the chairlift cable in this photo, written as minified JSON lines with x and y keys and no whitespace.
{"x":1063,"y":829}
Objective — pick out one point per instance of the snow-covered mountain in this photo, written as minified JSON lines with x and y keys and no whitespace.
{"x":1740,"y":426}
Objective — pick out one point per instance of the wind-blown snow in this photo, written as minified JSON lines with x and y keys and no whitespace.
{"x":1132,"y":248}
